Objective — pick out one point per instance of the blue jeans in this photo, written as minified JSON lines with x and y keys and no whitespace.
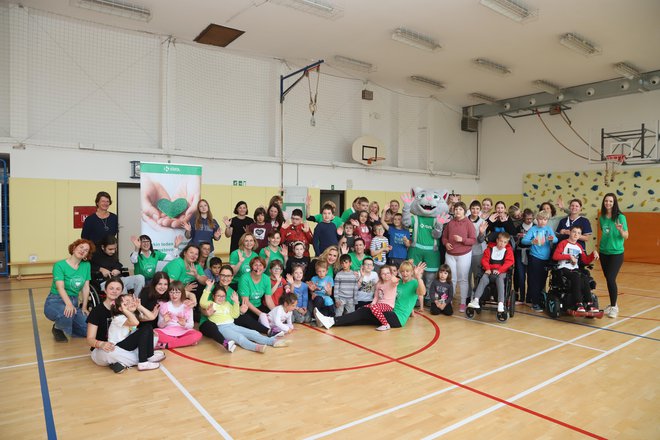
{"x":54,"y":310}
{"x":245,"y":337}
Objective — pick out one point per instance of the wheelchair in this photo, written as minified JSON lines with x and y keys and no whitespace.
{"x":557,"y":300}
{"x":488,"y":300}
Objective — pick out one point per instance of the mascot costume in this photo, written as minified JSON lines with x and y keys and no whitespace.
{"x":425,"y":211}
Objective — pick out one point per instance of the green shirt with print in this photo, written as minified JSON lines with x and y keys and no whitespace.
{"x":74,"y":279}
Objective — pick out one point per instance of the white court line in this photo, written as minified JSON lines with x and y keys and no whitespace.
{"x":45,"y":362}
{"x":536,"y":387}
{"x":196,"y":404}
{"x":479,"y":377}
{"x":526,"y":333}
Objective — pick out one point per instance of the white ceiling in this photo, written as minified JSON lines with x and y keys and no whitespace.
{"x":625,"y":30}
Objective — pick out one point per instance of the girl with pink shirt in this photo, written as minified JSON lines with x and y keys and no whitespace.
{"x":175,"y":321}
{"x":384,"y":296}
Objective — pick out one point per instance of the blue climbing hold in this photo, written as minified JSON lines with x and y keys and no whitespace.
{"x":637,"y":174}
{"x":557,"y":186}
{"x":535,"y":186}
{"x":594,"y":188}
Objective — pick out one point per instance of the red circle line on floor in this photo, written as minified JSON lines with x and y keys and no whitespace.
{"x":435,"y":338}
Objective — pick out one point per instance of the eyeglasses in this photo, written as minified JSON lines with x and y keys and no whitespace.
{"x":225,"y":275}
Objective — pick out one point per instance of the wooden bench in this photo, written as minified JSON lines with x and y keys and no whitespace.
{"x":19,"y":265}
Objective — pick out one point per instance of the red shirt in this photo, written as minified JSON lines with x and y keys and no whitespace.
{"x":292,"y":233}
{"x":502,"y":265}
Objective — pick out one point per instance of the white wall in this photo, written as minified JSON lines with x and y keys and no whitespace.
{"x":87,"y":99}
{"x":507,"y":156}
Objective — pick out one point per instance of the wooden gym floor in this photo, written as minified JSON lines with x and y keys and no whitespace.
{"x":529,"y":378}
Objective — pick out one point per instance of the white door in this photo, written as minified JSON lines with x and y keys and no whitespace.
{"x":128,"y":211}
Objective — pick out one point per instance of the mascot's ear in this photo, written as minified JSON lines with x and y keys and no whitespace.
{"x":415,"y":190}
{"x":445,"y":194}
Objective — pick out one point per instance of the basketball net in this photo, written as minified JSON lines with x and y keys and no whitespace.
{"x":612,"y":164}
{"x":313,"y":98}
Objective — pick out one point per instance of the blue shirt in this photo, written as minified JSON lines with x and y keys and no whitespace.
{"x":542,"y":252}
{"x":399,"y":249}
{"x":303,"y":295}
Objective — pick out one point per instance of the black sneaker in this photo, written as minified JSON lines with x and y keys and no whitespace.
{"x":118,"y":367}
{"x":59,"y":335}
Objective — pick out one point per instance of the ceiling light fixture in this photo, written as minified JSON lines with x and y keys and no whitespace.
{"x":514,"y":10}
{"x":491,"y":66}
{"x":627,"y":70}
{"x":579,"y":44}
{"x":426,"y":82}
{"x":320,"y":8}
{"x":483,"y":98}
{"x":354,"y":64}
{"x":415,"y":39}
{"x":115,"y":7}
{"x":547,"y":87}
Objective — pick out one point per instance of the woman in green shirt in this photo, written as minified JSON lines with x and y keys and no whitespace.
{"x":187,"y":270}
{"x":614,"y":231}
{"x":241,"y":257}
{"x":255,"y":292}
{"x":410,"y":290}
{"x":70,"y":279}
{"x":145,"y":259}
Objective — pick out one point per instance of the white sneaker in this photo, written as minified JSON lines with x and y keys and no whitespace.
{"x":474,"y":304}
{"x":229,"y":345}
{"x":607,"y":310}
{"x":383,"y":328}
{"x":325,"y":321}
{"x":157,"y":356}
{"x":613,"y":312}
{"x":144,"y":366}
{"x":281,"y":343}
{"x":500,"y":307}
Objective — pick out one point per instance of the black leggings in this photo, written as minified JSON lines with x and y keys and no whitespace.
{"x":611,"y":264}
{"x":210,"y":330}
{"x":435,"y":310}
{"x":578,"y":286}
{"x":364,"y":316}
{"x":250,"y":320}
{"x":143,"y":340}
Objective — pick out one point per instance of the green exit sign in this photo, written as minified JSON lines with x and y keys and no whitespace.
{"x":240,"y":183}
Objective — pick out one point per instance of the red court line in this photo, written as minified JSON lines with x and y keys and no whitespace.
{"x":435,"y":338}
{"x":468,"y":388}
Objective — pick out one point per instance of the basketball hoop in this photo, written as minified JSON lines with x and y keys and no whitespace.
{"x":374,"y":159}
{"x":612,"y":163}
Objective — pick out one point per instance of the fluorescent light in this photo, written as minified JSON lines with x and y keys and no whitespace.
{"x":491,"y":66}
{"x":415,"y":39}
{"x":547,"y":87}
{"x":514,"y":10}
{"x":579,"y":44}
{"x":482,"y":98}
{"x":115,"y":7}
{"x":354,"y":64}
{"x":627,"y":70}
{"x":426,"y":82}
{"x":320,"y":8}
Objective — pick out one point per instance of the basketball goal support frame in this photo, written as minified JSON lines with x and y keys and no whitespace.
{"x":640,"y":152}
{"x":283,"y":93}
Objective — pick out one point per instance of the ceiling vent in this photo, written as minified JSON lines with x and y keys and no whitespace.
{"x":217,"y":35}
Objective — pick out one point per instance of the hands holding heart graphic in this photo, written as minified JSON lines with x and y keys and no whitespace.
{"x":161,"y":210}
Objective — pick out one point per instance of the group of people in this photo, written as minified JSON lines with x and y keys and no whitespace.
{"x":364,"y":271}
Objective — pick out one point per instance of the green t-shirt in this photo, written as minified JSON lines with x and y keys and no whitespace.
{"x":274,"y":255}
{"x":356,"y":263}
{"x":247,"y":287}
{"x":74,"y":279}
{"x":245,"y":265}
{"x":176,"y":269}
{"x":611,"y":240}
{"x":146,"y":266}
{"x":347,"y":214}
{"x":337,"y":221}
{"x":406,"y":297}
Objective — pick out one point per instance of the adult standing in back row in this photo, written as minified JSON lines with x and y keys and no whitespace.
{"x":102,"y":223}
{"x":614,"y":231}
{"x":238,"y":224}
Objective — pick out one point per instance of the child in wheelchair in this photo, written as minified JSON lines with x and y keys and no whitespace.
{"x":568,"y":254}
{"x":496,"y":262}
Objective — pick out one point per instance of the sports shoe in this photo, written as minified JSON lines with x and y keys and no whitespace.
{"x":325,"y":321}
{"x":474,"y":304}
{"x":580,"y":308}
{"x":229,"y":345}
{"x":614,"y":312}
{"x":462,"y":308}
{"x":157,"y":356}
{"x":260,"y":348}
{"x":118,"y":367}
{"x":537,"y":308}
{"x":144,"y":366}
{"x":280,"y":343}
{"x":383,"y":328}
{"x":59,"y":335}
{"x":592,"y":308}
{"x":500,"y":307}
{"x":279,"y":334}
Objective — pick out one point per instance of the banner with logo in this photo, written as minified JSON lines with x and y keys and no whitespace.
{"x":169,"y":194}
